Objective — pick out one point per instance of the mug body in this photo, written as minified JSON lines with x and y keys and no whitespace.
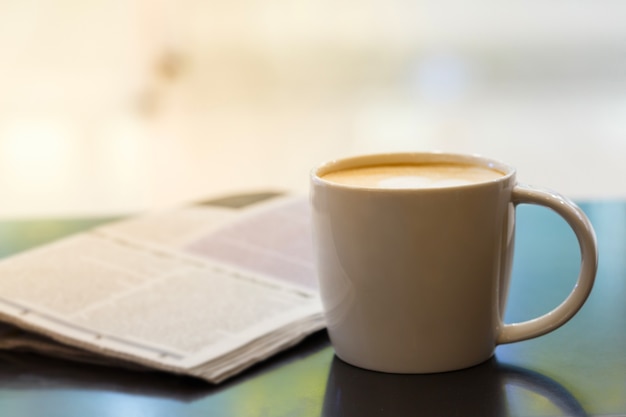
{"x":413,"y":280}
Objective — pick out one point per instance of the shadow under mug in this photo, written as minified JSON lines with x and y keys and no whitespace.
{"x":415,"y":280}
{"x":487,"y":390}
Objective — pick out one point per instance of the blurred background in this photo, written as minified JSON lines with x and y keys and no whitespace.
{"x":122,"y":106}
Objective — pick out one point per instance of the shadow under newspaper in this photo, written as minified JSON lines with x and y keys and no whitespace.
{"x":32,"y":371}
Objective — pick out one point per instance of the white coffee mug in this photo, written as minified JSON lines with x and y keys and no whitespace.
{"x":415,"y":280}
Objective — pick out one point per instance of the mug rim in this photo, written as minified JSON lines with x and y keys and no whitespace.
{"x":372,"y":159}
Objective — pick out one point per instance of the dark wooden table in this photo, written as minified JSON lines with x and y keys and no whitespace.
{"x":578,"y":370}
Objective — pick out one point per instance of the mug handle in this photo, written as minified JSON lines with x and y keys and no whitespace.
{"x":580,"y":224}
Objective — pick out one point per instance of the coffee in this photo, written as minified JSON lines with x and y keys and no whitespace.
{"x":413,"y":280}
{"x":426,"y":175}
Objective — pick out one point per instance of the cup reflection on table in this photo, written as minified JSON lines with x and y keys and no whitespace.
{"x":477,"y":391}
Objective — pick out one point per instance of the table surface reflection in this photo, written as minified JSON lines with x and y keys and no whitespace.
{"x":578,"y":370}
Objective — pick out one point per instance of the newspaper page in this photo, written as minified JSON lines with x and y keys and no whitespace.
{"x":196,"y":291}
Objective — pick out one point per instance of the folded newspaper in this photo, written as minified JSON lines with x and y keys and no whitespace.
{"x":203,"y":290}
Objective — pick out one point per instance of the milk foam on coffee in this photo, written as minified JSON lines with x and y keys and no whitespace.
{"x":413,"y":176}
